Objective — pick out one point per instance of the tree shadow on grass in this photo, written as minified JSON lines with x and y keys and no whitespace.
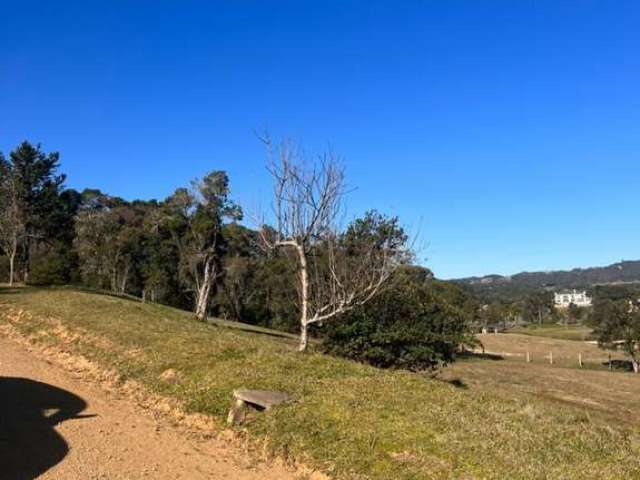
{"x":624,"y":365}
{"x":458,"y":383}
{"x":29,"y":411}
{"x":479,"y":356}
{"x":6,"y":290}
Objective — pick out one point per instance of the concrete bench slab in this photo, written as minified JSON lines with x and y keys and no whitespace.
{"x":265,"y":399}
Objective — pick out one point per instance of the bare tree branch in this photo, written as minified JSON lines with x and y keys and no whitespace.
{"x":333,"y":276}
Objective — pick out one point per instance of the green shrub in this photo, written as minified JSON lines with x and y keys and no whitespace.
{"x":417,"y":323}
{"x":55,"y":267}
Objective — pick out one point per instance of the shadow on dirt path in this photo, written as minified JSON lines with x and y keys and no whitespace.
{"x":29,"y":411}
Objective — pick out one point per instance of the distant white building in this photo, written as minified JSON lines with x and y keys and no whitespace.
{"x":565,"y":298}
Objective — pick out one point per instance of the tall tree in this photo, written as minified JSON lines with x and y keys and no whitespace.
{"x":618,"y":327}
{"x":11,"y":228}
{"x":538,"y":306}
{"x":108,"y":240}
{"x":30,"y":189}
{"x":159,"y":262}
{"x":194,"y":218}
{"x":55,"y":261}
{"x":237,"y":288}
{"x":336,"y":272}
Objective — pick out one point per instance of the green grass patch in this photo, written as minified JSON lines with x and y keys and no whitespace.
{"x":349,"y":420}
{"x":561,"y":332}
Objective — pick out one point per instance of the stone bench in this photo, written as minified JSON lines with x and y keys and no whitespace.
{"x":261,"y":399}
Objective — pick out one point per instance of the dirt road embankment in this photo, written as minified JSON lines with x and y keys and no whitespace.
{"x":56,"y":426}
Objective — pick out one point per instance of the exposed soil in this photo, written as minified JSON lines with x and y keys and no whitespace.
{"x":54,"y":425}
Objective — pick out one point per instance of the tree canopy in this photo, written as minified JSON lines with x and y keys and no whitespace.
{"x":352,"y":284}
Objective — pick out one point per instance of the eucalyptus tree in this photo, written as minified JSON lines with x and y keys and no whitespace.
{"x":538,"y":306}
{"x":108,"y":240}
{"x":195,"y":217}
{"x":11,"y":228}
{"x":158,"y":266}
{"x":241,"y":261}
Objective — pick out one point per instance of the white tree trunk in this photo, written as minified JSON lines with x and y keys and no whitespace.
{"x":125,"y":279}
{"x":202,"y":300}
{"x":304,"y":336}
{"x":12,"y":260}
{"x":304,"y":301}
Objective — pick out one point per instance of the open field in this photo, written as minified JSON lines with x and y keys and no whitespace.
{"x":598,"y":394}
{"x":515,"y":346}
{"x":613,"y":394}
{"x":351,"y":420}
{"x":562,"y":332}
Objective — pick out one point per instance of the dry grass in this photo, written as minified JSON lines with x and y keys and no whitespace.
{"x":614,"y":395}
{"x":562,"y":332}
{"x":514,"y":346}
{"x":351,"y":420}
{"x":599,"y":394}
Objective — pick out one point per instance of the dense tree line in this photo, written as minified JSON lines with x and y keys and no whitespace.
{"x":355,"y":286}
{"x":302,"y":272}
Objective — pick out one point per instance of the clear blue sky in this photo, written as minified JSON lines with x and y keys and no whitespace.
{"x":508,"y":132}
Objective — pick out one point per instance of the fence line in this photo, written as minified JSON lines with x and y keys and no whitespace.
{"x":559,"y":360}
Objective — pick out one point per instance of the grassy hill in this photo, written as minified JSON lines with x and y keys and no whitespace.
{"x":350,"y":420}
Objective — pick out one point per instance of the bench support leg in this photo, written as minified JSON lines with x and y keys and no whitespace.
{"x":237,"y":413}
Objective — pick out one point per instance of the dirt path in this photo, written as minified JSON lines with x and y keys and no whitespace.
{"x":55,"y":426}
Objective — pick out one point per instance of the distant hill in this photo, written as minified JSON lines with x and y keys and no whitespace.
{"x":514,"y":286}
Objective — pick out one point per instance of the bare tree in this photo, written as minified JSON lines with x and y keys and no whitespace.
{"x":336,"y":270}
